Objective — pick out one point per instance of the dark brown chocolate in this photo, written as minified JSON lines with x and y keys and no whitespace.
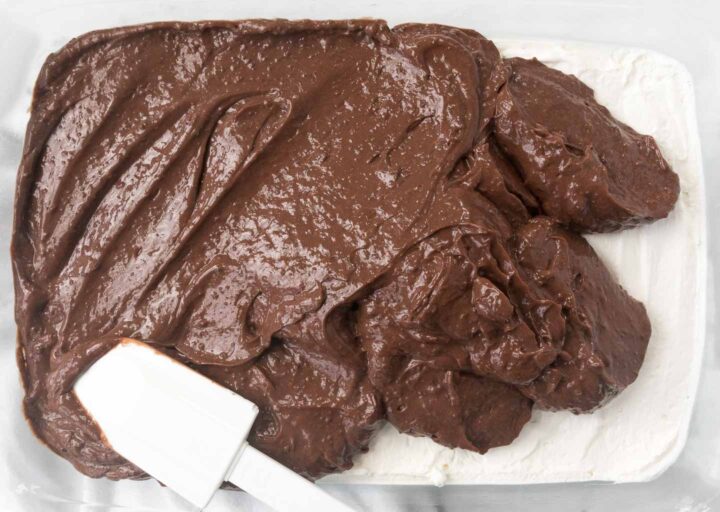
{"x":587,"y":169}
{"x":340,"y":221}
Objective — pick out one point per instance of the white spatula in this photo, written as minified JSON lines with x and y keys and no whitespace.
{"x":187,"y":431}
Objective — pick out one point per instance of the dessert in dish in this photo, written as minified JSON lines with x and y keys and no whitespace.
{"x":342,"y":222}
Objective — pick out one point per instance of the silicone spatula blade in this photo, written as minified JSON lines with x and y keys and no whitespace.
{"x":187,"y":431}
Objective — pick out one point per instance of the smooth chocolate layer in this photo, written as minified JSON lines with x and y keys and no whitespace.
{"x":341,"y":221}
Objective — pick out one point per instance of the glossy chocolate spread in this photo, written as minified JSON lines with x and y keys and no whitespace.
{"x":342,"y":222}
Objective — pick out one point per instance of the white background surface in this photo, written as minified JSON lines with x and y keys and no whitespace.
{"x":683,"y":30}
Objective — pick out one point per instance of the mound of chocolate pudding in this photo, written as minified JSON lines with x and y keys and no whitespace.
{"x":343,"y":222}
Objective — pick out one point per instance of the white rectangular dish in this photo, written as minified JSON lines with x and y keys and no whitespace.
{"x":634,"y":438}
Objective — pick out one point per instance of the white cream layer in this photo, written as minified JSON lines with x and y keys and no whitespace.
{"x":641,"y":432}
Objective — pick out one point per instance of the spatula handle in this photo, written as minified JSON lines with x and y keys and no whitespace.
{"x":277,"y":486}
